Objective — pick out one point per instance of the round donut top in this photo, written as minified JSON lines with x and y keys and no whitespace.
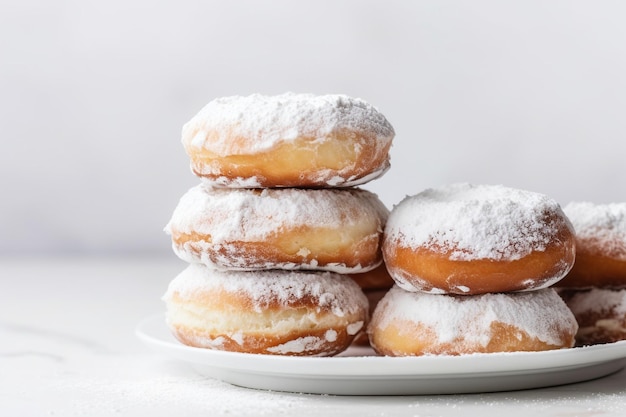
{"x":259,"y":122}
{"x":600,"y":228}
{"x":470,"y":222}
{"x":250,"y":215}
{"x":264,"y":289}
{"x":538,"y":313}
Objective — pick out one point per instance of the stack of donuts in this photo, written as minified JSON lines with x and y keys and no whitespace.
{"x":473,"y":266}
{"x":595,"y":288}
{"x":277,"y":227}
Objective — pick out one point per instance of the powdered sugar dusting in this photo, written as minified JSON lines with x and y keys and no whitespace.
{"x":299,"y":345}
{"x":136,"y":385}
{"x":599,"y":227}
{"x":264,"y":121}
{"x":228,"y":257}
{"x":476,"y":221}
{"x":598,"y":300}
{"x":354,"y":328}
{"x":251,"y":215}
{"x":541,"y":314}
{"x":226,"y":182}
{"x":336,"y":293}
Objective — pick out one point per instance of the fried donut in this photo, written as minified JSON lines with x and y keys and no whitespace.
{"x":337,"y":230}
{"x":373,"y":298}
{"x":473,"y":239}
{"x":601,"y":314}
{"x":600,"y":245}
{"x":376,"y":279}
{"x":288,"y":140}
{"x":270,"y":312}
{"x":375,"y":284}
{"x":414,"y":323}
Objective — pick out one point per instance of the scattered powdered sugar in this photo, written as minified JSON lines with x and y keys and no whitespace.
{"x":259,"y":122}
{"x":476,"y":221}
{"x":599,"y":398}
{"x":250,"y":215}
{"x":330,"y":291}
{"x":133,"y":385}
{"x":541,"y":314}
{"x":597,"y":300}
{"x":599,"y":227}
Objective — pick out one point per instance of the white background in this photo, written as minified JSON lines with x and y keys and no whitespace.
{"x":93,"y":94}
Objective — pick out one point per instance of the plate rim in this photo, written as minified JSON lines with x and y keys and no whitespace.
{"x":382,"y":366}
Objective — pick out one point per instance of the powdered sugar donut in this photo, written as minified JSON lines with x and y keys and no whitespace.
{"x":474,"y":239}
{"x":413,"y":323}
{"x":376,"y":279}
{"x":373,"y":298}
{"x":600,"y":245}
{"x":288,"y":140}
{"x":269,"y":312}
{"x":250,"y":229}
{"x":600,"y":312}
{"x":375,"y":284}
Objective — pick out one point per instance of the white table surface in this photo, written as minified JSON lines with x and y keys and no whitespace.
{"x":68,"y":348}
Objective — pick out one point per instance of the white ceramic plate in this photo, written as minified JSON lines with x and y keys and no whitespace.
{"x":359,"y":372}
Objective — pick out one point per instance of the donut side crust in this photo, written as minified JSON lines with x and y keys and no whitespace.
{"x":428,"y":270}
{"x":354,"y":249}
{"x":342,"y":158}
{"x":595,"y":270}
{"x":228,"y":321}
{"x":404,"y":338}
